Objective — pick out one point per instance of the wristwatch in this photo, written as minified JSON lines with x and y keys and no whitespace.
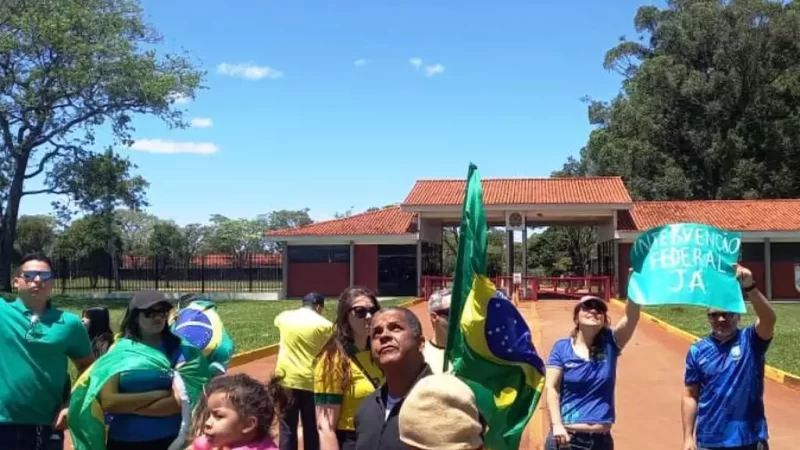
{"x":749,"y":288}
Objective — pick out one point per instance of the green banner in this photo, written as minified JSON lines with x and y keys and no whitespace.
{"x":686,"y":264}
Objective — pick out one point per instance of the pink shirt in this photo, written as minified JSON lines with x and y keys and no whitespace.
{"x":264,"y":444}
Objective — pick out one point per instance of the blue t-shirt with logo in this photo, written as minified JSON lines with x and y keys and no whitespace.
{"x":587,"y":386}
{"x":138,"y":428}
{"x":731,"y":379}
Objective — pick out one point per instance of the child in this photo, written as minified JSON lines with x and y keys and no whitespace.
{"x":237,"y":413}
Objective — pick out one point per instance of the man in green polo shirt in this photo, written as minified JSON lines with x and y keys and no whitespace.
{"x":37,"y":340}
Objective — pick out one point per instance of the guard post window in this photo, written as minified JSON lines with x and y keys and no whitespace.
{"x":319,"y":254}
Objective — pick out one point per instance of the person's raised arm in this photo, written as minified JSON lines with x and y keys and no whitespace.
{"x":765,"y":315}
{"x":623,"y":330}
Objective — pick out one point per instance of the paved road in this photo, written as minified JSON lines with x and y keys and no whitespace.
{"x":650,"y":382}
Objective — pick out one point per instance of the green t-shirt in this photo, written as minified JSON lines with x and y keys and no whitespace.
{"x":33,"y":364}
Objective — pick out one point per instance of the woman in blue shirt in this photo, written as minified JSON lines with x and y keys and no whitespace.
{"x":581,"y":376}
{"x":141,"y":411}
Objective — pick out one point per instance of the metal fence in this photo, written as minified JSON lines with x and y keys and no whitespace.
{"x":253,"y":272}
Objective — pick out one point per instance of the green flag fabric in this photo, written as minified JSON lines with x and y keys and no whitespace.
{"x":686,"y":264}
{"x":489,"y":345}
{"x":86,"y":417}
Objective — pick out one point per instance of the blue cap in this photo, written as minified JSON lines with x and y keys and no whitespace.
{"x":314,"y":298}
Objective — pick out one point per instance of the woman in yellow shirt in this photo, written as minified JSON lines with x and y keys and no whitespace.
{"x":344,"y":373}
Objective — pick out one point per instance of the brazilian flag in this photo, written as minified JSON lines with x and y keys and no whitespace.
{"x":489,"y":344}
{"x":87,"y":426}
{"x":199,"y":324}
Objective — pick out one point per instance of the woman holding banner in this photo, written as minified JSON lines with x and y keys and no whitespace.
{"x":581,"y":376}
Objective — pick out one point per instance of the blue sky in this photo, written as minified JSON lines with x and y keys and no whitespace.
{"x":323,"y":104}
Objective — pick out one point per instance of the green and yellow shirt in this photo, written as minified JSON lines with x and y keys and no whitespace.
{"x":329,"y":389}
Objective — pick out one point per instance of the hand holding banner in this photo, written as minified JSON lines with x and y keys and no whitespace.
{"x":687,"y":263}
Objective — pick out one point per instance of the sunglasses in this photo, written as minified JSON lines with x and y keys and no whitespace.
{"x":443,"y":312}
{"x":717,"y":315}
{"x":44,"y":275}
{"x":362,"y":311}
{"x":593,"y":306}
{"x":155,"y":312}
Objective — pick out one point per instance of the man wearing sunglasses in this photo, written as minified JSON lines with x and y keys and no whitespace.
{"x":439,"y":311}
{"x":38,"y":339}
{"x":723,"y":405}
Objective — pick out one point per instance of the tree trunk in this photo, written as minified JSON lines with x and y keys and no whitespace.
{"x":8,"y":232}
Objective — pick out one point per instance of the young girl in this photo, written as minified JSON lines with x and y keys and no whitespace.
{"x":237,"y":413}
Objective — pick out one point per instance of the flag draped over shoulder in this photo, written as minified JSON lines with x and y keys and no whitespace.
{"x":200,"y":325}
{"x":489,"y":344}
{"x":86,"y":417}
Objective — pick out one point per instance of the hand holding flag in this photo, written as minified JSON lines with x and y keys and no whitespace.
{"x":488,"y":343}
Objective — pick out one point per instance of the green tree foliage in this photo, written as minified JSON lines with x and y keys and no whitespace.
{"x":35,"y":234}
{"x":68,"y":67}
{"x":135,"y":228}
{"x":710,"y":105}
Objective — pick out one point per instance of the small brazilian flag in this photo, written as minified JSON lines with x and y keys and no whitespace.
{"x":488,"y":343}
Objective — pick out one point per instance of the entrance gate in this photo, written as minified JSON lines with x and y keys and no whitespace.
{"x":536,"y":288}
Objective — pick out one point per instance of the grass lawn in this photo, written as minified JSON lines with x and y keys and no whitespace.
{"x":248,"y":322}
{"x":784,"y":353}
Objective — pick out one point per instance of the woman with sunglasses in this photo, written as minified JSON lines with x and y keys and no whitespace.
{"x":140,"y":408}
{"x":344,"y":373}
{"x":581,"y":376}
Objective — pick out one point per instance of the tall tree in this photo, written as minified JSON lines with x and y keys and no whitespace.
{"x":710,"y":105}
{"x":100,"y":185}
{"x":135,"y":227}
{"x":68,"y":67}
{"x":238,"y":237}
{"x":196,"y":236}
{"x":35,"y":234}
{"x":167,"y":245}
{"x":286,"y":218}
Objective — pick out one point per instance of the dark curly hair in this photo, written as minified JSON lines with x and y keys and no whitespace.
{"x":343,"y":335}
{"x":249,"y":397}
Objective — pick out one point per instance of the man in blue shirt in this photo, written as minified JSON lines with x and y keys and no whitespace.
{"x":723,"y":405}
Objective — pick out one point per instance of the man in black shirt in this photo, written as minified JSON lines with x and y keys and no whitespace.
{"x":396,"y":340}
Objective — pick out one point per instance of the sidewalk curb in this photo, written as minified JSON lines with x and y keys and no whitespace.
{"x":249,"y":356}
{"x":772,"y":373}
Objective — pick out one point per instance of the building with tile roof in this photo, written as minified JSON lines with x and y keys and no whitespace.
{"x":392,"y":249}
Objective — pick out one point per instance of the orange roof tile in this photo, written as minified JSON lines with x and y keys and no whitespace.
{"x":738,"y":215}
{"x":387,"y":221}
{"x":516,"y":191}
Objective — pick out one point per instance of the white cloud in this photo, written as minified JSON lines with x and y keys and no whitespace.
{"x":164,"y":146}
{"x":179,"y":98}
{"x":249,"y":71}
{"x":202,"y":122}
{"x":416,"y":62}
{"x":435,"y":69}
{"x":360,"y":62}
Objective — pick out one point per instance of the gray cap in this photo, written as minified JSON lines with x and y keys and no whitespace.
{"x":146,"y":299}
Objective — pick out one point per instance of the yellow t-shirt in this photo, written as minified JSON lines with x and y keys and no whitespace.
{"x":328,"y":389}
{"x":303,"y":334}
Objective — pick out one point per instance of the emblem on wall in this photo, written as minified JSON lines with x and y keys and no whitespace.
{"x":515,"y":221}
